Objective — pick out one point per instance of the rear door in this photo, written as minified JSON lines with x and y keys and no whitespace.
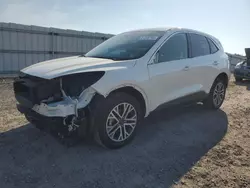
{"x":205,"y":61}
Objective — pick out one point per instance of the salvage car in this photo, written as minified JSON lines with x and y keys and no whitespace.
{"x":242,"y":71}
{"x":106,"y":93}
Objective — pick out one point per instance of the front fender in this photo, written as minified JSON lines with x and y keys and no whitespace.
{"x":113,"y":80}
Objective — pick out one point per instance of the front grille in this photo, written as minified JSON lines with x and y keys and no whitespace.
{"x":34,"y":89}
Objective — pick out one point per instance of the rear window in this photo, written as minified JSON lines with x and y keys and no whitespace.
{"x":199,"y":45}
{"x":213,"y":47}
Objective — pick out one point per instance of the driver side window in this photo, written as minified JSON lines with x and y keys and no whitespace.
{"x":175,"y":48}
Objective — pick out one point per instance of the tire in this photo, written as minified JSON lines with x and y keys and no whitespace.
{"x":237,"y":79}
{"x":110,"y":130}
{"x":216,"y":93}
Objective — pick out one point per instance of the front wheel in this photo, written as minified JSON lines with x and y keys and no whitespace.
{"x":116,"y":119}
{"x":216,"y":95}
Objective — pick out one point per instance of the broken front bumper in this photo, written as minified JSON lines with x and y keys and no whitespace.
{"x":67,"y":106}
{"x":35,"y":117}
{"x":62,"y":127}
{"x":51,"y":108}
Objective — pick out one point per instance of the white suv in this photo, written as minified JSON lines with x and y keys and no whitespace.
{"x":107,"y":92}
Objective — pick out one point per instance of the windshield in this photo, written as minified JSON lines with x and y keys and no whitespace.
{"x":125,"y":46}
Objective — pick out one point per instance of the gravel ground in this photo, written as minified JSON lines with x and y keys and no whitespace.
{"x":184,"y":147}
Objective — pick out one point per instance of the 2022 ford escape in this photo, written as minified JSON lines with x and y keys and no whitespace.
{"x":107,"y":92}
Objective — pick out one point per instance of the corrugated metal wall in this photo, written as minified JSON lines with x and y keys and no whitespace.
{"x":22,"y":45}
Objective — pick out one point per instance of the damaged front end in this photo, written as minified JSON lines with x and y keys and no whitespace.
{"x":60,"y":103}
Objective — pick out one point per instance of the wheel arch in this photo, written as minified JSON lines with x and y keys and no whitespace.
{"x":223,"y":76}
{"x":135,"y":92}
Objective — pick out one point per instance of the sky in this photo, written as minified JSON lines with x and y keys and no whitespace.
{"x":227,"y":20}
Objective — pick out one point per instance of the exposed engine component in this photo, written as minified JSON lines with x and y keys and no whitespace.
{"x":72,"y":123}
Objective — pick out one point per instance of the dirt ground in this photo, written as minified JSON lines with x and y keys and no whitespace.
{"x":182,"y":147}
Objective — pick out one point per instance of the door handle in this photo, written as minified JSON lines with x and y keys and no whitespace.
{"x":215,"y":63}
{"x":186,"y":68}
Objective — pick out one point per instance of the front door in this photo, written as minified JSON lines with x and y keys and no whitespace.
{"x":169,"y":75}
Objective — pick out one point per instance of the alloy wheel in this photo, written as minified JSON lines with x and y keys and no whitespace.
{"x":219,"y":94}
{"x":121,"y":122}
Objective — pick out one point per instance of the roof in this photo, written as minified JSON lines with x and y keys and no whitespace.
{"x":172,"y":28}
{"x":154,"y":29}
{"x":184,"y":30}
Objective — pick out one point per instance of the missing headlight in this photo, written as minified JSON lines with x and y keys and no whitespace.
{"x":74,"y":84}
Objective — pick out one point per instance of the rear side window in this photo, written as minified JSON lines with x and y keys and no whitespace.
{"x":213,"y":47}
{"x":175,"y":48}
{"x":199,"y":45}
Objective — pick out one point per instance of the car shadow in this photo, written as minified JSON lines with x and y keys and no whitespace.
{"x":168,"y":143}
{"x":244,"y":83}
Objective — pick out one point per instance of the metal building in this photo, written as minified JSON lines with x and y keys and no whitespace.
{"x":22,"y":45}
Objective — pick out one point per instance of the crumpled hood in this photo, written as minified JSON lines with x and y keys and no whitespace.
{"x":71,"y":65}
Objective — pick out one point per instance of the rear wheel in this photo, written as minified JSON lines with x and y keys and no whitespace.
{"x":116,"y":119}
{"x":216,"y":95}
